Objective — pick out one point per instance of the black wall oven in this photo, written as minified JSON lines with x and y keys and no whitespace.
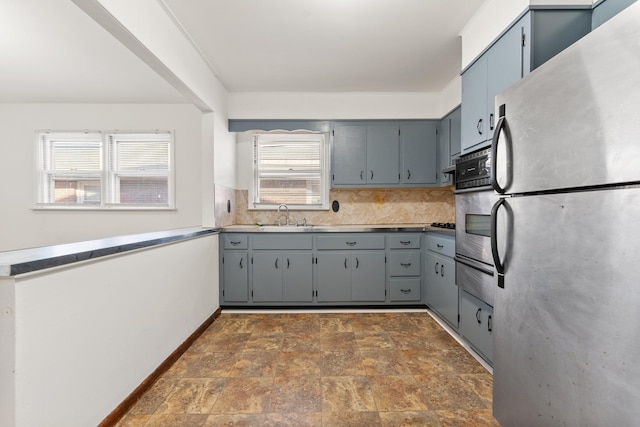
{"x":474,"y":199}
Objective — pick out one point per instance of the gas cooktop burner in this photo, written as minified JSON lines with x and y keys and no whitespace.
{"x":449,"y":225}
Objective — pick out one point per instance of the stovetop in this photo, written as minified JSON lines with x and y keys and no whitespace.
{"x":447,"y":225}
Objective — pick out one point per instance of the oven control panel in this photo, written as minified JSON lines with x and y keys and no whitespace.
{"x":474,"y":170}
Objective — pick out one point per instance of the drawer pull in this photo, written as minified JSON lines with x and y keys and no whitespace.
{"x":234,"y":243}
{"x":405,"y":291}
{"x":351,"y":243}
{"x":439,"y":245}
{"x":405,"y":265}
{"x":405,"y":242}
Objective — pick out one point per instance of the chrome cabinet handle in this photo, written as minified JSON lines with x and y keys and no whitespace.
{"x":479,"y":126}
{"x":405,"y":242}
{"x":351,"y":243}
{"x":407,"y":265}
{"x":478,"y":315}
{"x":489,"y":325}
{"x":405,"y":291}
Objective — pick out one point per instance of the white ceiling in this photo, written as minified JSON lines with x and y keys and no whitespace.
{"x":328,"y":45}
{"x":51,"y":51}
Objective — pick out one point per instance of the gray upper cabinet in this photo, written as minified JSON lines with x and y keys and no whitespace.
{"x":535,"y":38}
{"x":607,"y":9}
{"x":349,"y":163}
{"x":418,"y":146}
{"x":383,"y":154}
{"x":448,"y":145}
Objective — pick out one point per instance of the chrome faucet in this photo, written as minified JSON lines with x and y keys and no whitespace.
{"x":287,"y":213}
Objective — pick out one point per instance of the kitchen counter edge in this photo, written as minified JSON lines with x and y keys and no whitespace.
{"x":23,"y":261}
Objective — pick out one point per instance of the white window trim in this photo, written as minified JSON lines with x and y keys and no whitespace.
{"x":325,"y":170}
{"x":105,"y":177}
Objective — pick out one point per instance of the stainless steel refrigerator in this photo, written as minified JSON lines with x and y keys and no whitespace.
{"x":566,"y":236}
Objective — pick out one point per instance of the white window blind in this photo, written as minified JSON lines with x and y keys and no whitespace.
{"x":290,"y":169}
{"x":99,"y":170}
{"x":139,"y":168}
{"x":70,"y":168}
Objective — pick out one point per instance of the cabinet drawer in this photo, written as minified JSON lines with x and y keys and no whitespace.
{"x":235,"y":241}
{"x":405,"y":289}
{"x":405,"y":263}
{"x":350,"y":242}
{"x":444,"y":245}
{"x":278,"y":241}
{"x":404,"y":241}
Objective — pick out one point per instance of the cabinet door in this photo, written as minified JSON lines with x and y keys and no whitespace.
{"x":474,"y":105}
{"x":368,"y":276}
{"x":419,"y":161}
{"x":504,"y":68}
{"x":444,"y":151}
{"x":442,"y":292}
{"x":383,"y":151}
{"x":267,"y":277}
{"x":454,"y":137}
{"x":235,"y":277}
{"x":476,"y":323}
{"x":298,"y":276}
{"x":349,"y":154}
{"x":334,"y":277}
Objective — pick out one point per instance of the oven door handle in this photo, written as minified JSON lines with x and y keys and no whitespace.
{"x":473,"y":264}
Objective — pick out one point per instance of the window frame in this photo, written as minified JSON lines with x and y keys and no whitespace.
{"x":106,"y":175}
{"x":325,"y":160}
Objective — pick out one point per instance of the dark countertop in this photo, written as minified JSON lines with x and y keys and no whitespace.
{"x":28,"y":260}
{"x":351,"y":228}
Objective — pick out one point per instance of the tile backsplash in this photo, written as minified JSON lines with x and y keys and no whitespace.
{"x":358,"y":206}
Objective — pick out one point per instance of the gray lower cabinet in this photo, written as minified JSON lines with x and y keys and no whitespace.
{"x":356,"y":276}
{"x":442,"y":291}
{"x":282,"y":277}
{"x":235,"y":276}
{"x":476,"y":324}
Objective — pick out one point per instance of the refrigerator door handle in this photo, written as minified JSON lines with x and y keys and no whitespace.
{"x":494,"y":242}
{"x":501,"y":126}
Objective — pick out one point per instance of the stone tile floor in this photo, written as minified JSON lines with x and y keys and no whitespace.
{"x":320,"y":369}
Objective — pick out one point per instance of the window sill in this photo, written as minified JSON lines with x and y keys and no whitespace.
{"x":101,"y":209}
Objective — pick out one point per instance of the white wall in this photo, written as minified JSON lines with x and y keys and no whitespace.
{"x":493,"y":18}
{"x":22,"y":227}
{"x":343,"y":105}
{"x":87,"y":334}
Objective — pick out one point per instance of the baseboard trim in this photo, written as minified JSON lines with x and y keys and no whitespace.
{"x":121,"y":410}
